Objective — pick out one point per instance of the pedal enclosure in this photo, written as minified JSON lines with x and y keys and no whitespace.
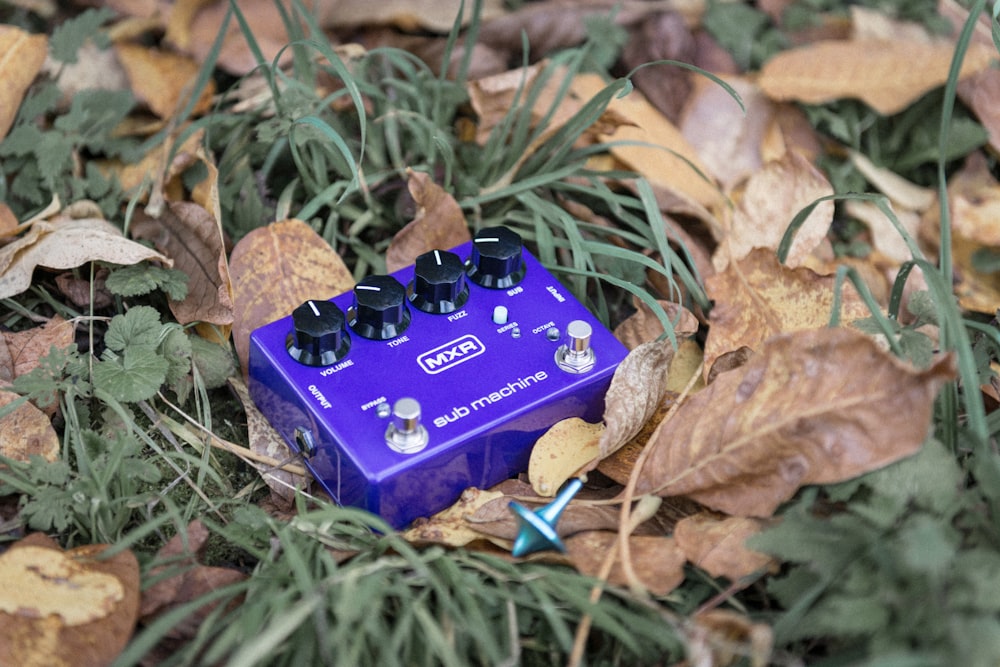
{"x":487,"y":391}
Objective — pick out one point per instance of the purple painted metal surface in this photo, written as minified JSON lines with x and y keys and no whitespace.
{"x":486,"y":394}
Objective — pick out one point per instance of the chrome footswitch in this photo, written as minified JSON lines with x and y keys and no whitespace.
{"x":576,"y":356}
{"x":405,"y":433}
{"x":410,"y":388}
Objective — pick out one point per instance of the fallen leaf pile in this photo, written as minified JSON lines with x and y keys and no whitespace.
{"x":701,"y":443}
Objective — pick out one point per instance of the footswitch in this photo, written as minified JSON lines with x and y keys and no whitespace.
{"x":412,"y":387}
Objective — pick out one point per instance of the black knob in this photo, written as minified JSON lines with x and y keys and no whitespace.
{"x":318,"y":336}
{"x":379,"y":311}
{"x":438,"y":283}
{"x":496,"y":258}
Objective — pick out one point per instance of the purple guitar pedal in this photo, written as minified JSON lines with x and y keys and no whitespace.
{"x":412,"y":387}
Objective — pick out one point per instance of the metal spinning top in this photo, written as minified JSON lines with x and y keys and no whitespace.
{"x":538,"y":527}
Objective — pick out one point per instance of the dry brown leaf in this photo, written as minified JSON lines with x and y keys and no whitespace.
{"x":493,"y":97}
{"x":643,"y":325}
{"x":666,"y":160}
{"x":8,"y":221}
{"x":65,"y":243}
{"x":274,"y":269}
{"x":810,"y":407}
{"x":724,"y":637}
{"x":564,"y":449}
{"x":438,"y":225}
{"x":163,"y":80}
{"x":728,"y":140}
{"x":193,"y":581}
{"x":59,"y":609}
{"x":26,"y":432}
{"x":982,"y":94}
{"x":192,"y":238}
{"x":21,"y":56}
{"x":717,"y":544}
{"x":658,"y":561}
{"x":494,"y":518}
{"x":409,"y":15}
{"x":264,"y":20}
{"x":758,"y":297}
{"x":662,"y":36}
{"x":264,"y":439}
{"x":450,"y":526}
{"x":636,"y":391}
{"x":770,"y":200}
{"x":974,"y":199}
{"x":881,"y":73}
{"x":974,"y":195}
{"x":26,"y":347}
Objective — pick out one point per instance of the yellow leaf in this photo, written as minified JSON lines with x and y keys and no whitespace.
{"x":888,"y":75}
{"x":666,"y":159}
{"x":21,"y":56}
{"x":757,"y":297}
{"x":565,"y":448}
{"x":449,"y":526}
{"x":770,"y":200}
{"x":26,"y":431}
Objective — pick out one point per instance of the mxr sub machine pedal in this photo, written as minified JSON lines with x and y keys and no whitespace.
{"x":414,"y":386}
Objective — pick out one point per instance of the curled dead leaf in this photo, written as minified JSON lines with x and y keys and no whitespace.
{"x":810,"y":407}
{"x":722,"y":637}
{"x":192,"y":238}
{"x":265,"y":440}
{"x":274,"y":269}
{"x":190,"y":581}
{"x":162,"y":79}
{"x":26,"y":347}
{"x":65,"y":243}
{"x":643,"y":325}
{"x":450,"y":526}
{"x":564,"y":449}
{"x":438,"y":225}
{"x":636,"y":391}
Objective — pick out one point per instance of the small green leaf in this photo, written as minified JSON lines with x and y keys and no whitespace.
{"x":215,"y":362}
{"x":928,"y":544}
{"x":139,"y":327}
{"x":135,"y":376}
{"x":921,"y":306}
{"x":143,"y":278}
{"x":71,"y":34}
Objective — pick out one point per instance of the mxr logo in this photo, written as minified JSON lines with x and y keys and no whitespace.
{"x":451,"y":354}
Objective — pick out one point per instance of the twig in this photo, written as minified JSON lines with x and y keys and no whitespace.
{"x":231,"y":447}
{"x":624,"y":531}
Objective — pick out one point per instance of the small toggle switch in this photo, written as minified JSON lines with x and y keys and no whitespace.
{"x":405,"y":434}
{"x":500,"y":315}
{"x":576,"y":355}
